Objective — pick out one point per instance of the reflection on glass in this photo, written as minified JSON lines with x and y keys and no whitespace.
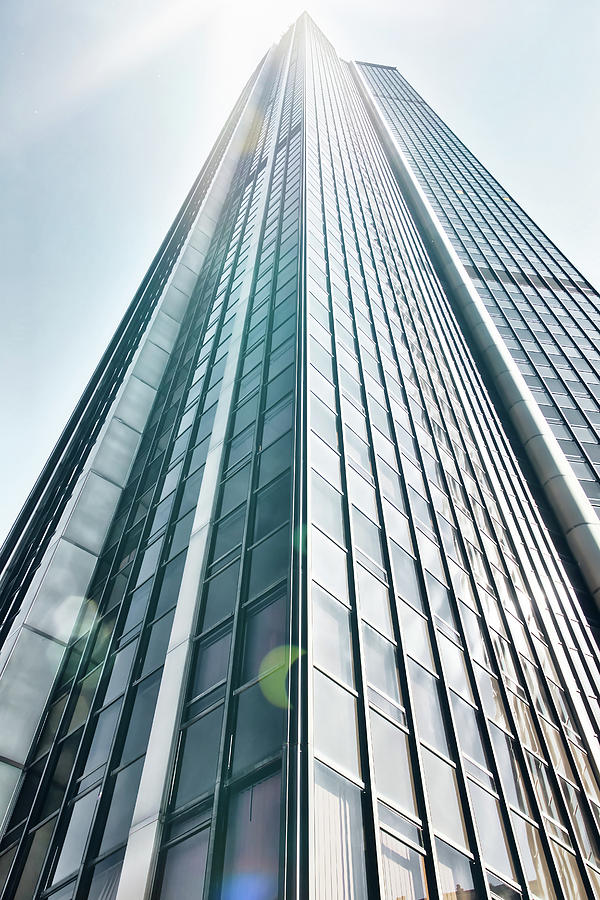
{"x":426,"y":702}
{"x":374,"y":601}
{"x":331,"y":635}
{"x":335,"y":724}
{"x":251,"y":859}
{"x":105,"y":878}
{"x":442,"y":790}
{"x":197,"y":768}
{"x":456,"y":875}
{"x":393,"y":775}
{"x":259,"y":726}
{"x":76,"y":836}
{"x":185,"y":865}
{"x":492,"y":835}
{"x":509,"y":768}
{"x":403,"y":871}
{"x":533,"y":858}
{"x":339,"y":843}
{"x":380,"y":664}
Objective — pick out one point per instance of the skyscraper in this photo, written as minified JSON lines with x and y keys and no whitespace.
{"x":284,"y":615}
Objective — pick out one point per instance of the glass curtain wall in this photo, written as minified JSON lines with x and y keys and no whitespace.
{"x":547,"y":313}
{"x":451,"y":717}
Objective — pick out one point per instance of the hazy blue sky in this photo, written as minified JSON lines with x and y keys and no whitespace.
{"x":108,"y":110}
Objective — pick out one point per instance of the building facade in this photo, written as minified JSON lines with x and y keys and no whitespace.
{"x":287,"y":613}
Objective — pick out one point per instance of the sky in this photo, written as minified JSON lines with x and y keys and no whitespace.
{"x":109,"y":109}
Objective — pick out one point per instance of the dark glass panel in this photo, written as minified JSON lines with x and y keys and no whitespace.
{"x":251,"y":859}
{"x":199,"y":753}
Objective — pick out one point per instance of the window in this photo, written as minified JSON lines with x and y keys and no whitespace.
{"x":331,"y":636}
{"x":198,"y":757}
{"x":492,"y":835}
{"x":260,"y":720}
{"x":75,"y":839}
{"x":270,"y":562}
{"x":427,"y":709}
{"x":122,"y":804}
{"x":220,"y":594}
{"x":442,"y":789}
{"x":456,"y":874}
{"x":374,"y":601}
{"x":251,"y":859}
{"x":393,"y":775}
{"x":403,"y":871}
{"x":273,"y":507}
{"x":184,"y":868}
{"x":335,"y":724}
{"x":339,"y":843}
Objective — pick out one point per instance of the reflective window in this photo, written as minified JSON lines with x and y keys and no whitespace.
{"x":332,"y":646}
{"x":251,"y":861}
{"x":403,"y":870}
{"x":336,"y":726}
{"x":339,"y":841}
{"x":427,"y":709}
{"x":122,"y":805}
{"x":264,"y":631}
{"x":492,"y":835}
{"x":185,"y":865}
{"x":442,"y":789}
{"x":76,"y":836}
{"x":456,"y":874}
{"x":260,"y":719}
{"x":200,"y":746}
{"x":393,"y":776}
{"x":533,"y":858}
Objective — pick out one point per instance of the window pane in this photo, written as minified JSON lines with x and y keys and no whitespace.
{"x":393,"y":775}
{"x":103,"y":735}
{"x":510,"y":771}
{"x":446,"y":812}
{"x":331,"y":635}
{"x":405,"y":575}
{"x":374,"y":601}
{"x":251,"y":860}
{"x":381,"y":665}
{"x":105,"y":880}
{"x":122,"y":804}
{"x":211,"y":664}
{"x":492,"y":835}
{"x":76,"y":836}
{"x":33,"y":864}
{"x":329,"y":566}
{"x":426,"y":702}
{"x":270,"y":562}
{"x":533,"y":857}
{"x":142,"y":714}
{"x":157,"y":644}
{"x":273,"y":505}
{"x":339,"y":847}
{"x":403,"y":871}
{"x":335,"y":726}
{"x":456,"y":876}
{"x":198,"y":767}
{"x":327,"y":508}
{"x":260,"y":720}
{"x":219,"y":598}
{"x":185,"y":865}
{"x":265,"y":630}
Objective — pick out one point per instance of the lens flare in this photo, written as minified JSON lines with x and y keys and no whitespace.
{"x":273,"y":674}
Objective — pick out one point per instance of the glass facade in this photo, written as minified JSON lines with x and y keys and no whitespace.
{"x":328,"y":649}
